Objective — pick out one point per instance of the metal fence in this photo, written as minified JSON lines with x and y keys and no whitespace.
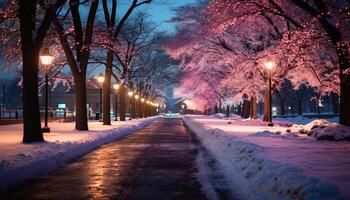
{"x":17,"y":114}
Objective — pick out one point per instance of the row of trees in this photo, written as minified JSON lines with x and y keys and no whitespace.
{"x":225,"y":44}
{"x":127,"y":48}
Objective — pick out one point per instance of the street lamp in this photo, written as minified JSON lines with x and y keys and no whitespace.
{"x":46,"y":59}
{"x":137,"y":106}
{"x":100,"y":79}
{"x":130,"y":94}
{"x":270,"y":67}
{"x":142,"y":106}
{"x":116,"y":88}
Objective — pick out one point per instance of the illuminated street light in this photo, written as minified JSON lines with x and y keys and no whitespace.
{"x":46,"y":59}
{"x":142,"y":100}
{"x":100,"y":78}
{"x":270,"y":67}
{"x":130,"y":93}
{"x":116,"y":87}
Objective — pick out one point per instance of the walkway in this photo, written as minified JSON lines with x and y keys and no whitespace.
{"x":156,"y":163}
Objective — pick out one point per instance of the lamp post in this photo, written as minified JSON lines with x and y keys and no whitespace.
{"x":137,"y":105}
{"x":270,"y":66}
{"x":142,"y":107}
{"x":100,"y":79}
{"x":130,"y":94}
{"x":147,"y":109}
{"x":46,"y":59}
{"x":116,"y":88}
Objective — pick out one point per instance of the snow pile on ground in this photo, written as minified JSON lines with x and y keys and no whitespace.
{"x":223,"y":116}
{"x":219,"y":115}
{"x":319,"y":129}
{"x":325,"y":130}
{"x":20,"y":162}
{"x":255,"y":176}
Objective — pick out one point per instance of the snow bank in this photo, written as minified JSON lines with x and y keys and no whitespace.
{"x":325,"y":130}
{"x":254,"y":177}
{"x":319,"y":129}
{"x":20,"y":162}
{"x":219,"y":115}
{"x":223,"y":116}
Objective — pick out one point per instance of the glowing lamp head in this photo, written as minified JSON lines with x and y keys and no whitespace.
{"x":137,"y":96}
{"x":45,"y":57}
{"x":100,"y":78}
{"x":270,"y":65}
{"x":116,"y":86}
{"x":130,"y":93}
{"x":142,"y":100}
{"x":147,"y":102}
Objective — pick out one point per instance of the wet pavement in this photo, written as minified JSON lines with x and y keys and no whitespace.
{"x":155,"y":163}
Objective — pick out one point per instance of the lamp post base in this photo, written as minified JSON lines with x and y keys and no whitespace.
{"x":270,"y":124}
{"x":46,"y":129}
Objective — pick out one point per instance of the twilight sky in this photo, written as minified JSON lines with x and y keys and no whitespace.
{"x":161,"y":10}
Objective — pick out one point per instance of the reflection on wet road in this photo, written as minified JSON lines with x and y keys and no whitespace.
{"x":156,"y":163}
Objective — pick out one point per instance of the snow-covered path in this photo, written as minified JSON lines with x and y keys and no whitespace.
{"x":19,"y":162}
{"x":327,"y":161}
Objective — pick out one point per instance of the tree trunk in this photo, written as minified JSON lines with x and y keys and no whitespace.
{"x":133,"y":106}
{"x":300,"y":106}
{"x":254,"y":108}
{"x":122,"y":102}
{"x":282,"y":110}
{"x":81,"y":121}
{"x":30,"y":54}
{"x":335,"y":103}
{"x":227,"y":111}
{"x":139,"y":111}
{"x":344,"y":108}
{"x":107,"y":90}
{"x":246,"y":109}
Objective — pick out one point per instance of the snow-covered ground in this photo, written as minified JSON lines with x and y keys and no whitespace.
{"x":20,"y":162}
{"x":303,"y":120}
{"x":261,"y":164}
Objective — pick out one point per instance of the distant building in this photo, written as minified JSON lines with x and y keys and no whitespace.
{"x":62,"y":99}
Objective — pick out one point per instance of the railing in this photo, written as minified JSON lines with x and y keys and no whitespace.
{"x":17,"y":114}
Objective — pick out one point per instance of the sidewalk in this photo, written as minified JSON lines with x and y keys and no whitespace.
{"x":19,"y":162}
